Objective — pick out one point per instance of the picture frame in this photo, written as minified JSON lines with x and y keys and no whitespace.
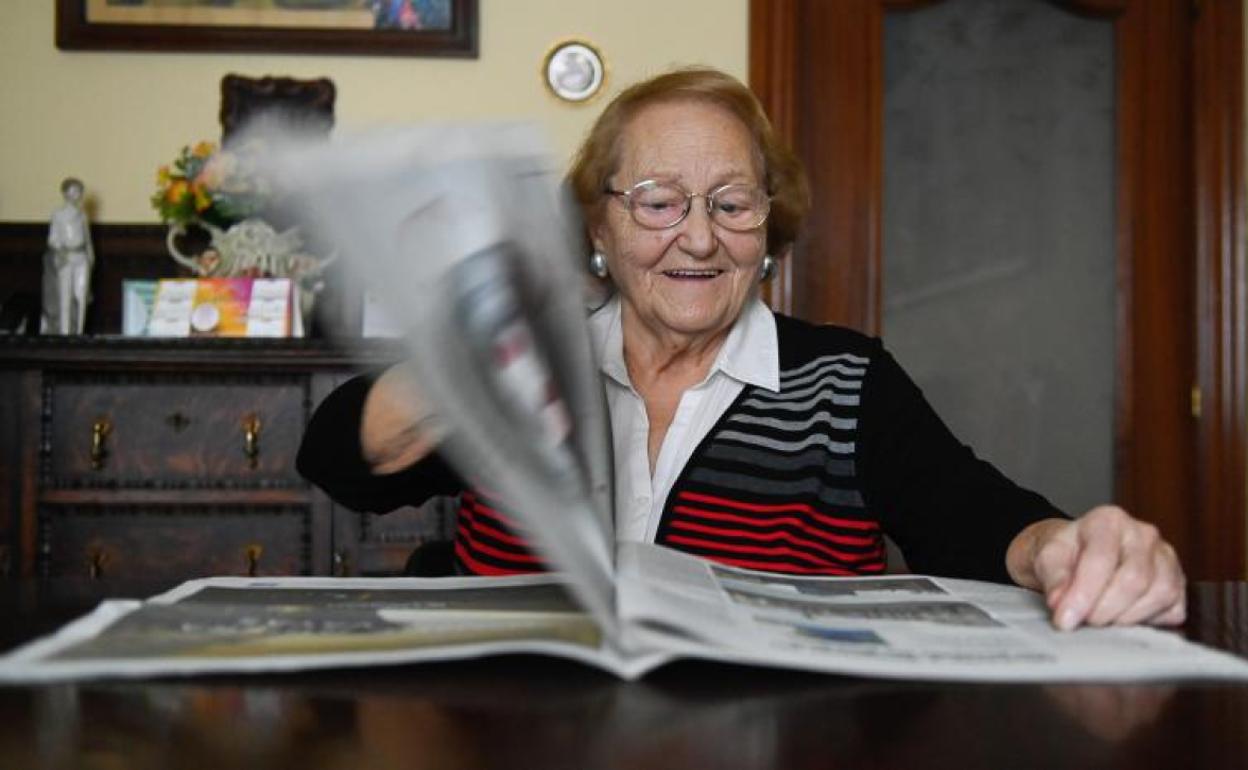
{"x":289,"y":26}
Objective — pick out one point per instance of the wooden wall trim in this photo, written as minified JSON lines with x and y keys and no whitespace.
{"x":1155,"y":469}
{"x":773,"y":60}
{"x":122,"y":251}
{"x":138,"y":251}
{"x":1221,"y":535}
{"x":829,"y":54}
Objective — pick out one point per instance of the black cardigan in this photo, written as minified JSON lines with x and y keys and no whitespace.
{"x":803,"y":481}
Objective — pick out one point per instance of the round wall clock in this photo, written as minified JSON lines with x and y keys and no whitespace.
{"x":573,"y":71}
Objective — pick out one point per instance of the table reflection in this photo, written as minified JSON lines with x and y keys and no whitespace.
{"x":528,"y":711}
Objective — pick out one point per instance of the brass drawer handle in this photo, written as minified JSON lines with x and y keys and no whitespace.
{"x":251,"y":440}
{"x":253,"y":552}
{"x":99,"y":431}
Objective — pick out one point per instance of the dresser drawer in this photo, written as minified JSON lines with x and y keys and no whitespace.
{"x":168,"y":431}
{"x":179,"y":543}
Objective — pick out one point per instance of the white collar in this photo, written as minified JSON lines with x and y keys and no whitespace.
{"x":750,"y":355}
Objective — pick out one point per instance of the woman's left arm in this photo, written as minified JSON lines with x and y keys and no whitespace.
{"x":1103,"y":568}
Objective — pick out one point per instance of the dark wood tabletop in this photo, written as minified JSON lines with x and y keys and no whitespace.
{"x":535,"y":712}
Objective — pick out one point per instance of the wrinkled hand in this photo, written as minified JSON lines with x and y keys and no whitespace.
{"x":1104,"y":568}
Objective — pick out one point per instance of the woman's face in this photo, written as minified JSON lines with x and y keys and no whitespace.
{"x":692,"y":279}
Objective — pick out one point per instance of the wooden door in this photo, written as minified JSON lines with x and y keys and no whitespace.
{"x":1180,"y":375}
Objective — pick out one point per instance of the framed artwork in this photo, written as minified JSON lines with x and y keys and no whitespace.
{"x":362,"y":27}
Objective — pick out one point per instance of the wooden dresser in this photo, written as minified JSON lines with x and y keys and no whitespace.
{"x":139,"y":458}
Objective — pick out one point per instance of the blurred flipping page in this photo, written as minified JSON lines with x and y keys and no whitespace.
{"x":463,"y":235}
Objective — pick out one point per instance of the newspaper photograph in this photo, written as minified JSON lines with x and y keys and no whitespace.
{"x":221,"y":625}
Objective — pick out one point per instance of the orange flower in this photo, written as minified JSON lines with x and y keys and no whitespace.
{"x":204,"y":149}
{"x":178,"y":189}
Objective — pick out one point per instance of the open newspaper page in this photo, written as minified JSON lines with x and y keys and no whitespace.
{"x":903,"y":626}
{"x":224,"y":625}
{"x":672,"y":605}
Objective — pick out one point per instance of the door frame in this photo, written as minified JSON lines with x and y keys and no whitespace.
{"x":1182,"y":367}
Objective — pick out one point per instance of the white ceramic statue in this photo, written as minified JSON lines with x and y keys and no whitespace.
{"x":72,"y":257}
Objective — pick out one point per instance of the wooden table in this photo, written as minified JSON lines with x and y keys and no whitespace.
{"x":533,"y":712}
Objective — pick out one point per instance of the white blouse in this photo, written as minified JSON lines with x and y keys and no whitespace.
{"x":750,"y":356}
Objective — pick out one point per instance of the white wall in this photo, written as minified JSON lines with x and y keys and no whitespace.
{"x":113,"y":118}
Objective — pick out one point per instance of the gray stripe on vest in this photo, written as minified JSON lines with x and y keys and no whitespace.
{"x":834,"y":370}
{"x":816,"y":439}
{"x":818,"y":387}
{"x":821,"y":360}
{"x":837,"y":399}
{"x":838,"y":423}
{"x":811,"y":458}
{"x":770,"y":487}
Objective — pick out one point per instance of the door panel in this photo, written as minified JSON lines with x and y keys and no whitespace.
{"x":998,"y":236}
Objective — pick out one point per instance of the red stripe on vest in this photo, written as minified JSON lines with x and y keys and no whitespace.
{"x":479,"y":526}
{"x":773,"y":522}
{"x":480,"y":567}
{"x":772,"y":536}
{"x":781,"y":508}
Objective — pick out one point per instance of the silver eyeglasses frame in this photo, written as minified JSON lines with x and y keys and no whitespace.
{"x":709,"y":197}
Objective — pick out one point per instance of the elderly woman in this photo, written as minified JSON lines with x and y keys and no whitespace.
{"x":740,"y":435}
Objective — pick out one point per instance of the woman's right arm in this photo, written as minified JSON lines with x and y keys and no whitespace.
{"x":397,"y":428}
{"x":371,"y":446}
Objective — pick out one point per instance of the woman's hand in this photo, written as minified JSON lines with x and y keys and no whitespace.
{"x":397,"y":428}
{"x":1104,"y":568}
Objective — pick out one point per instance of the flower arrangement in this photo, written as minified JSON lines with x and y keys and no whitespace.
{"x":206,"y":184}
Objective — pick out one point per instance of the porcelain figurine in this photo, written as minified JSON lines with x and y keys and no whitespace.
{"x":71,"y":257}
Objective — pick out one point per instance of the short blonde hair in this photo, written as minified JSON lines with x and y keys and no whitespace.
{"x":598,"y":156}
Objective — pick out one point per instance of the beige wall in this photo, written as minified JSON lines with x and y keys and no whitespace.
{"x":112,"y":118}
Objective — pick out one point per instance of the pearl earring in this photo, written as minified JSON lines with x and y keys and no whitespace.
{"x":767,"y":270}
{"x":598,"y":264}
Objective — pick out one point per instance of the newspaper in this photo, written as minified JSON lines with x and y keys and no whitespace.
{"x":671,"y":605}
{"x":464,"y":234}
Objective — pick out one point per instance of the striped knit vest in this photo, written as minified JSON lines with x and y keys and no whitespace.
{"x":773,"y":486}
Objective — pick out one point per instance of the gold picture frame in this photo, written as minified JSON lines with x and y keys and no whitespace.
{"x":271,"y":26}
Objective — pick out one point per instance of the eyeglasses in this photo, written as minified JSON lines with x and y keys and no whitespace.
{"x":660,"y":205}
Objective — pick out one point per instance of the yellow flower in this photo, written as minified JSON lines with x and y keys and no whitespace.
{"x":163,"y":176}
{"x":202,"y":201}
{"x":178,"y":189}
{"x":204,"y":149}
